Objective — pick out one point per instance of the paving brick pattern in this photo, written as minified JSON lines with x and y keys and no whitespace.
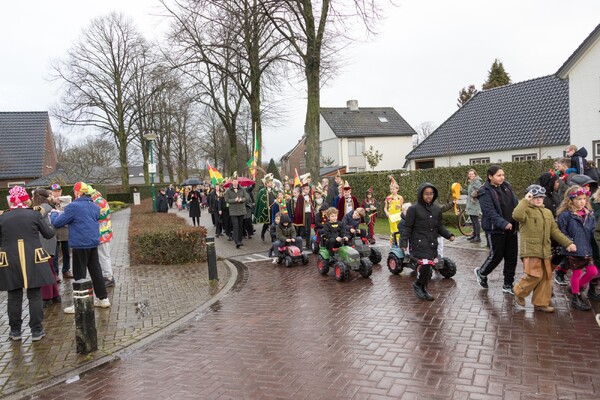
{"x":171,"y":292}
{"x":294,"y":334}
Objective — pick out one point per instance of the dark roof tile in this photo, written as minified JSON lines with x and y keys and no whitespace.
{"x":366,"y":122}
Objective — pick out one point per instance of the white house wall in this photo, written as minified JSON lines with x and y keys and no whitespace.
{"x":394,"y":150}
{"x":584,"y":99}
{"x":497,"y":157}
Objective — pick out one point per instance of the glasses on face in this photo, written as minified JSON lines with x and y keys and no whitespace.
{"x":538,"y":191}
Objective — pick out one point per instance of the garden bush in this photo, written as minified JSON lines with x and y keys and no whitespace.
{"x":163,"y":238}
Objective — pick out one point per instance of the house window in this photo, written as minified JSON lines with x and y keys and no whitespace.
{"x":356,"y":169}
{"x":481,"y":160}
{"x":19,"y":183}
{"x":355,"y":147}
{"x":383,"y":119}
{"x":596,"y":150}
{"x":424,"y":164}
{"x":524,"y":157}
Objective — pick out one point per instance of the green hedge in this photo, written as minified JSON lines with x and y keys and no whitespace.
{"x":122,"y":197}
{"x":161,"y":238}
{"x":518,"y":174}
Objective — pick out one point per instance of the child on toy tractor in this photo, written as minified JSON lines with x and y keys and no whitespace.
{"x":320,"y":221}
{"x":422,"y":225}
{"x":288,"y":246}
{"x":332,"y":232}
{"x":351,"y":222}
{"x":273,"y":233}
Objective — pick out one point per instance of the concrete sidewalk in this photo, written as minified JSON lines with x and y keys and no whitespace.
{"x":168,"y":293}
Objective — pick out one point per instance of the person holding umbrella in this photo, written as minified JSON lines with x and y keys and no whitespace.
{"x":237,"y":197}
{"x":193,"y":199}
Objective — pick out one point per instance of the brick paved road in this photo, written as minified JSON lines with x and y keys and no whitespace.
{"x":293,"y":334}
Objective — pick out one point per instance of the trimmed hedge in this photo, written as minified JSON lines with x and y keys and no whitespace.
{"x":162,"y":238}
{"x":121,"y":197}
{"x":518,"y":174}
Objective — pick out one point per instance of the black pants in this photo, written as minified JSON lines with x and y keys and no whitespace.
{"x":248,"y":227}
{"x":88,"y":259}
{"x":170,"y":202}
{"x":64,"y":248}
{"x":307,"y":225}
{"x":502,"y":246}
{"x":476,"y":225}
{"x":213,"y":217}
{"x":15,"y":309}
{"x":237,"y":225}
{"x":227,"y":222}
{"x":219,"y":225}
{"x":424,"y":273}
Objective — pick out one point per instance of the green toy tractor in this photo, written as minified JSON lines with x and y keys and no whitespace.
{"x":347,"y":258}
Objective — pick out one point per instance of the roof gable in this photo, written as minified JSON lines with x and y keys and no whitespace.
{"x":22,"y":143}
{"x":522,"y":115}
{"x":366,"y":122}
{"x":564,"y":70}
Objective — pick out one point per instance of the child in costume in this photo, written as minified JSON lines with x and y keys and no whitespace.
{"x":370,"y":206}
{"x":537,"y":227}
{"x":347,"y":202}
{"x":304,"y":213}
{"x":577,"y":221}
{"x":393,"y":207}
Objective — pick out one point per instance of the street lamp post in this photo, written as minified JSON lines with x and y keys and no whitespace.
{"x":151,"y":137}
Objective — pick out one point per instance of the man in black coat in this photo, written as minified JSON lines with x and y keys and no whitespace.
{"x":162,"y":203}
{"x":24,"y":262}
{"x":422,"y":226}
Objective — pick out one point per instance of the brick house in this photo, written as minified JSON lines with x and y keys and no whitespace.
{"x":27,"y":149}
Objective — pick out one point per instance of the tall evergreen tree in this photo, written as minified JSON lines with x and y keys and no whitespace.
{"x":497,"y":76}
{"x":465,"y":95}
{"x":272,"y":168}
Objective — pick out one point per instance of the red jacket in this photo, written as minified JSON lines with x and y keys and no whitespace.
{"x":341,"y":206}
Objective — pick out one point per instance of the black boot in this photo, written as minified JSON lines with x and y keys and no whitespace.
{"x":421,"y":292}
{"x":593,"y":293}
{"x":579,"y":303}
{"x":265,"y":228}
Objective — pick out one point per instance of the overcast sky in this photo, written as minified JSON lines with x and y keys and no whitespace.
{"x":426,"y":51}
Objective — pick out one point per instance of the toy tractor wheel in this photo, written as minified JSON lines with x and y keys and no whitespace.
{"x":366,"y":268}
{"x":394,"y":264}
{"x":314,"y":246}
{"x":322,"y":265}
{"x":304,"y":259}
{"x":375,"y":256}
{"x":288,"y":261}
{"x":449,"y":268}
{"x":279,"y":259}
{"x":341,"y":271}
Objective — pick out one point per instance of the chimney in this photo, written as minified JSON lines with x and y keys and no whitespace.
{"x":352,"y":105}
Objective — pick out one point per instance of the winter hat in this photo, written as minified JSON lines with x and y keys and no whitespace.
{"x":536,"y":191}
{"x":17,"y":195}
{"x":80,"y":187}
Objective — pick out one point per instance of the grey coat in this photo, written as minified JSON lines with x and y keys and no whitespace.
{"x":473,"y":207}
{"x":237,"y":208}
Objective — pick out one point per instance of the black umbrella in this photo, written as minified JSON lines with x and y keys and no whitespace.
{"x":191,"y":182}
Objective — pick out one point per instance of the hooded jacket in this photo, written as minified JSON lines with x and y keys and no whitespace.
{"x":283,"y":232}
{"x":578,"y":160}
{"x":423,"y":225}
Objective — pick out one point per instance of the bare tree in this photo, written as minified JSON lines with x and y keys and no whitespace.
{"x":98,"y":76}
{"x":424,"y":129}
{"x":315,"y":30}
{"x":94,"y":159}
{"x":61,"y":144}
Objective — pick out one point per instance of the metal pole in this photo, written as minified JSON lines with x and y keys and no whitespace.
{"x":86,"y":337}
{"x":152,"y":178}
{"x":211,"y":255}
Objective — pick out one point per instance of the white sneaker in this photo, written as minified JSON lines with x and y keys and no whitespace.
{"x":104,"y":303}
{"x":69,"y":310}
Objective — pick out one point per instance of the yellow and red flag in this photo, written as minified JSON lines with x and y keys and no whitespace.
{"x":253,"y":162}
{"x":215,"y":176}
{"x":297,"y":181}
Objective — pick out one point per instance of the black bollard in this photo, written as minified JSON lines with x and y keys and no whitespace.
{"x":85,"y":320}
{"x":211,"y":255}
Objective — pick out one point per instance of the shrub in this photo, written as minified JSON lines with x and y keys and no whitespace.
{"x":116,"y":205}
{"x":157,"y":238}
{"x":120,"y":197}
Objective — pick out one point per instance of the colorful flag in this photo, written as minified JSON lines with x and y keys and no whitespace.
{"x":297,"y":181}
{"x":215,"y":176}
{"x":253,"y":162}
